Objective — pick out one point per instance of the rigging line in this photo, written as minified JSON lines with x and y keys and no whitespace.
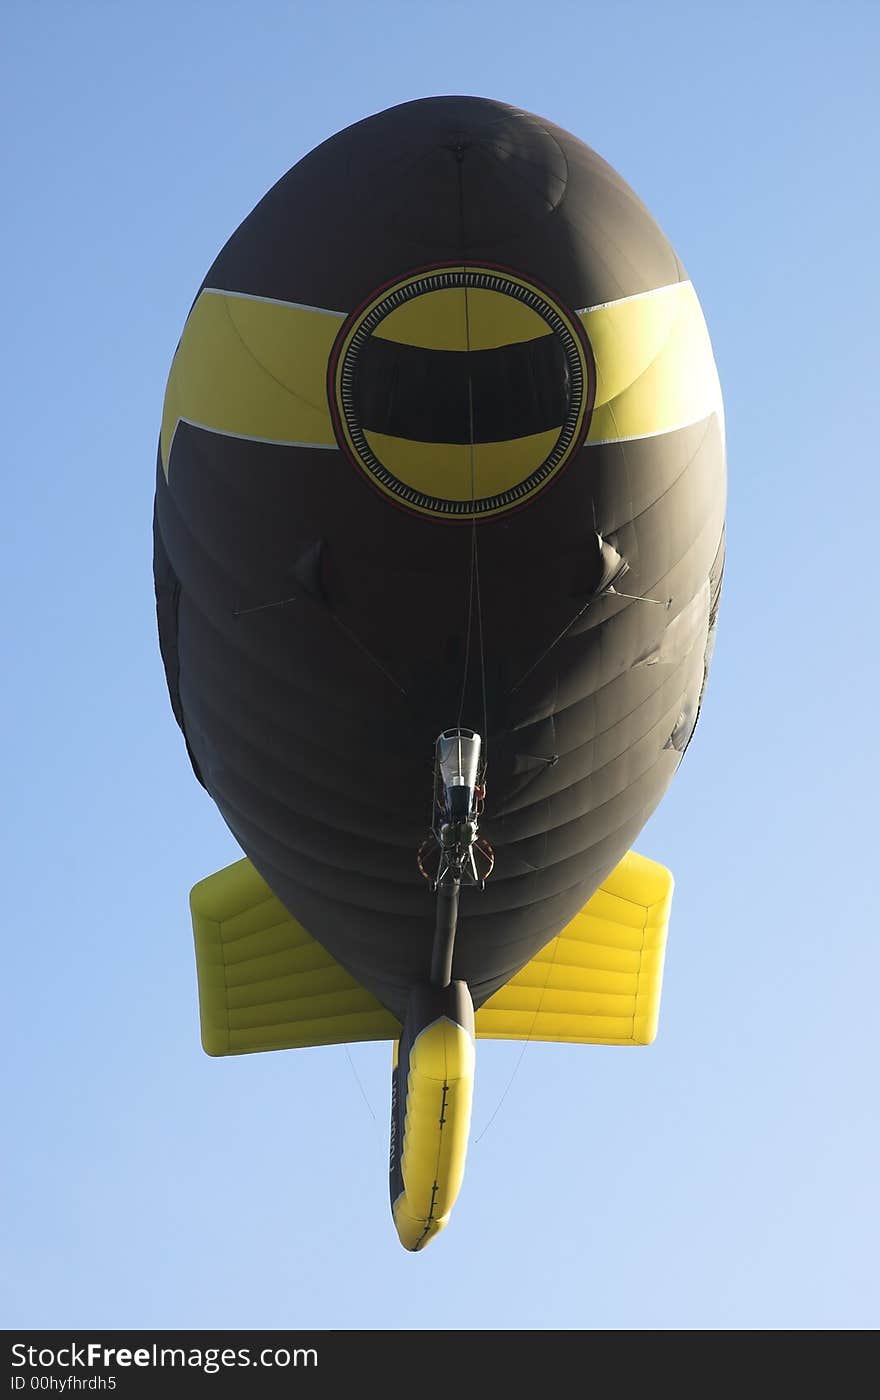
{"x":526,"y":1043}
{"x":475,"y":554}
{"x":263,"y":607}
{"x":359,"y":1084}
{"x":504,"y":1095}
{"x":474,"y":586}
{"x":459,"y":156}
{"x":556,"y":640}
{"x":482,"y":662}
{"x":352,"y":636}
{"x":611,"y":593}
{"x":637,"y":598}
{"x":467,"y":641}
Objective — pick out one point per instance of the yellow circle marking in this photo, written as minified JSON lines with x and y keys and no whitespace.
{"x":462,"y":309}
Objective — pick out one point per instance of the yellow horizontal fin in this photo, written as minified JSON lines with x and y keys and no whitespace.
{"x":264,"y":982}
{"x":599,"y":981}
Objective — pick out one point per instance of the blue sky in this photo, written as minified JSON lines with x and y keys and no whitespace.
{"x":724,"y":1178}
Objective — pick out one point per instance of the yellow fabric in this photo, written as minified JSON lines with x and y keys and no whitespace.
{"x":440,"y":1087}
{"x":266,"y":984}
{"x":254,"y":369}
{"x":445,"y":467}
{"x":599,"y":982}
{"x":655,"y":370}
{"x":459,"y":318}
{"x":257,"y":369}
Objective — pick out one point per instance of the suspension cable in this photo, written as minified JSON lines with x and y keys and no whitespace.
{"x":474,"y":591}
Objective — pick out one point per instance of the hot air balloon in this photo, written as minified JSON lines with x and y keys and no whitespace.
{"x":439,"y":537}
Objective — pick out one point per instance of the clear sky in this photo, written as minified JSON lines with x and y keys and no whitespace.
{"x":725,"y":1178}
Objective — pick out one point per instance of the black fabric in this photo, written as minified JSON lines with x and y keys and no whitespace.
{"x":313,"y":724}
{"x":432,"y":395}
{"x":424,"y":183}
